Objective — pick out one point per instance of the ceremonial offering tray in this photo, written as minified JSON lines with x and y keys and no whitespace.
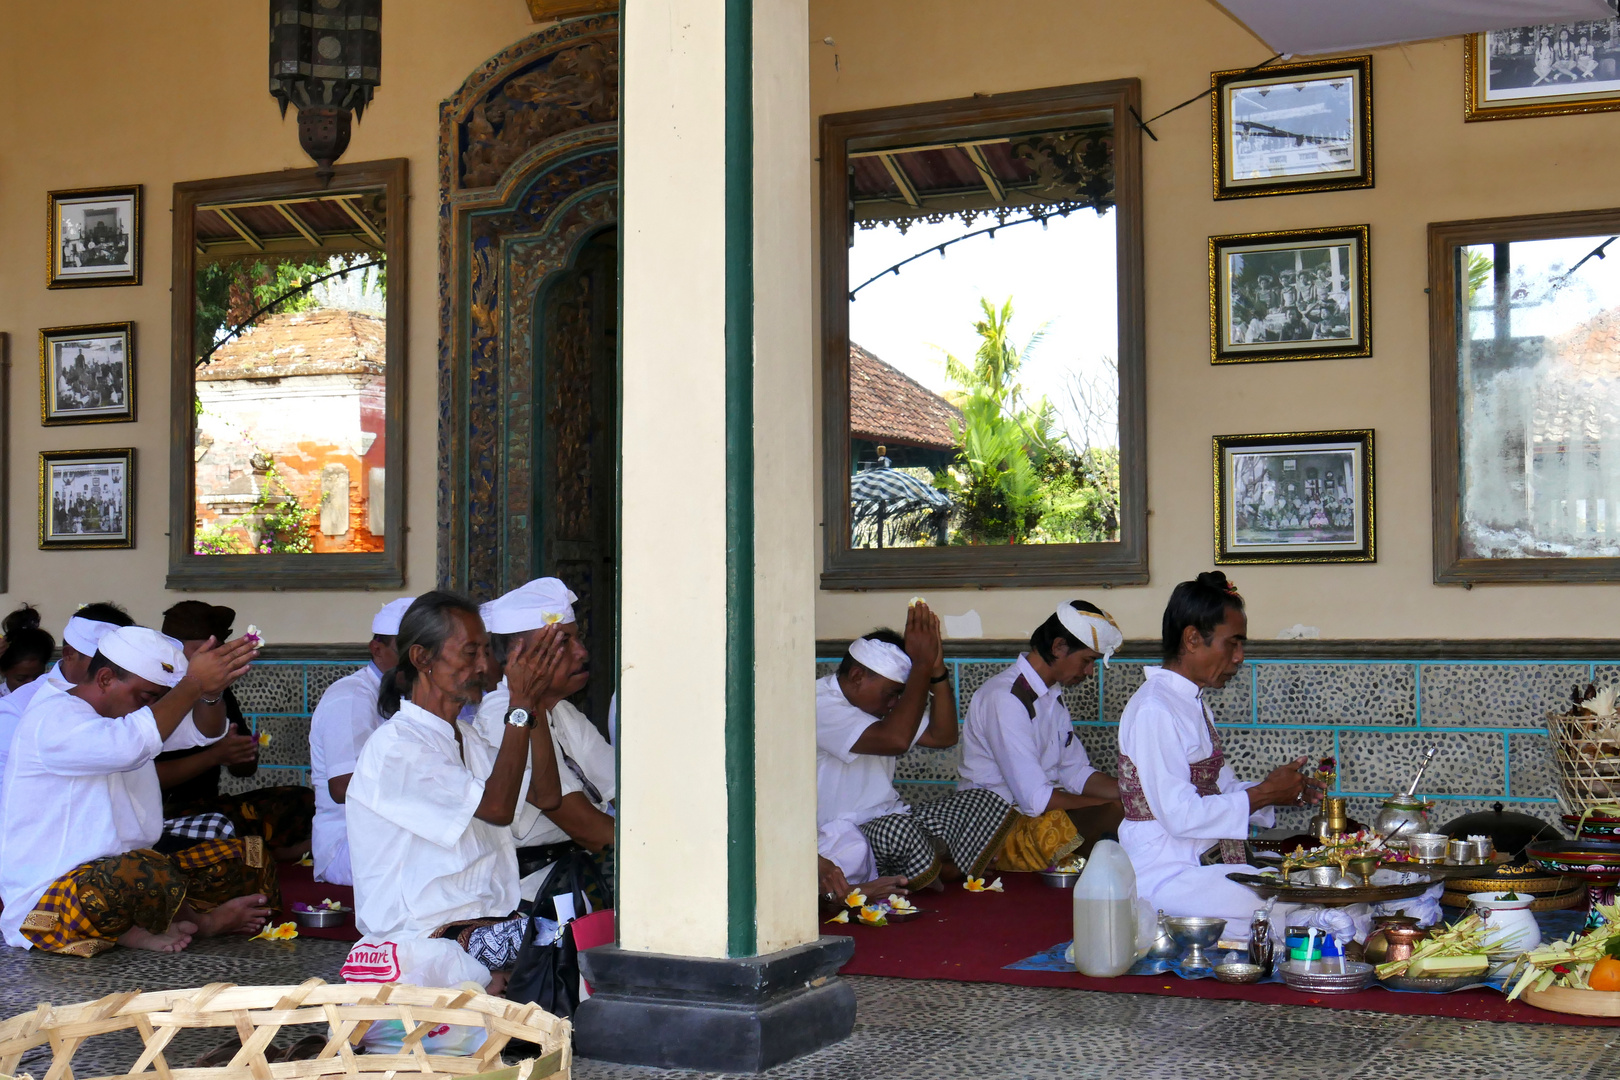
{"x":1270,"y":886}
{"x":1436,"y":985}
{"x":1589,"y":859}
{"x":1240,"y":974}
{"x":316,"y":918}
{"x":1567,"y":999}
{"x":902,"y":916}
{"x":1336,"y":976}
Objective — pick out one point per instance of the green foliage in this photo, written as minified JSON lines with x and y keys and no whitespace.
{"x":284,"y":522}
{"x":216,"y":539}
{"x":1481,"y":267}
{"x":228,"y":293}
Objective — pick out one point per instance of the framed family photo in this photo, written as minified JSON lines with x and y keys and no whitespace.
{"x":1298,"y":295}
{"x":1547,"y":70}
{"x":1288,"y":129}
{"x":1298,"y":497}
{"x":87,"y":498}
{"x":87,"y":374}
{"x":94,"y":237}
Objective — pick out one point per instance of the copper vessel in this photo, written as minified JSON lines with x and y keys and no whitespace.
{"x":1377,"y":947}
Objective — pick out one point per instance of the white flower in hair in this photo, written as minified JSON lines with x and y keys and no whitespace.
{"x":552,"y":617}
{"x":252,"y":634}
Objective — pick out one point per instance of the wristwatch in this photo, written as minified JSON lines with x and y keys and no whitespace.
{"x":519,"y":718}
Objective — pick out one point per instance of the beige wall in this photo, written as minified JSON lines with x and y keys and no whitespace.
{"x":1430,"y":167}
{"x":119,"y":93}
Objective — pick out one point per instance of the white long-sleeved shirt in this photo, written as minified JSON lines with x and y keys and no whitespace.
{"x":851,"y":787}
{"x":79,"y":786}
{"x":1165,"y":729}
{"x":420,"y":857}
{"x":342,"y":721}
{"x":1020,"y":757}
{"x":14,"y":704}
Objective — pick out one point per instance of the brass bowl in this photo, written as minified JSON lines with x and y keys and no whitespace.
{"x":1241,"y":974}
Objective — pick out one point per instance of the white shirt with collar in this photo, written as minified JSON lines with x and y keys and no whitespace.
{"x":851,"y":787}
{"x":79,"y":786}
{"x":15,"y":704}
{"x":420,"y":857}
{"x":1020,"y":757}
{"x":1163,"y":730}
{"x":342,"y":721}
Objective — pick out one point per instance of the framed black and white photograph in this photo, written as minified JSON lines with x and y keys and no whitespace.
{"x":1298,"y":295}
{"x":1296,"y":497}
{"x":1288,"y":129}
{"x":87,"y":498}
{"x":87,"y":374}
{"x":94,"y":237}
{"x":1548,"y":70}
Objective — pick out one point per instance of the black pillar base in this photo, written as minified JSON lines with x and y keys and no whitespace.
{"x":742,"y":1015}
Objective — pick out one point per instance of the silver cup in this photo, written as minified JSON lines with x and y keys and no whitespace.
{"x":1460,"y":852}
{"x":1480,"y":850}
{"x":1428,"y":847}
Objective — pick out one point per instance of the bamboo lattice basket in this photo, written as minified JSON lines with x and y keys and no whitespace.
{"x":1586,"y":753}
{"x":256,"y":1014}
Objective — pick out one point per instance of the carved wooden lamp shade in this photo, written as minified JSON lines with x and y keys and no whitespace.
{"x":325,"y":58}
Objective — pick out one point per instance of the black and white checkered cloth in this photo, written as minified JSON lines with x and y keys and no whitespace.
{"x":901,"y":848}
{"x":200,"y":827}
{"x":971,"y":824}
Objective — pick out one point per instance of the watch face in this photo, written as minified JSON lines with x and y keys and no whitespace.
{"x":518,"y":718}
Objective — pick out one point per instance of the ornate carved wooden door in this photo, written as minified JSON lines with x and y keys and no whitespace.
{"x":576,"y":498}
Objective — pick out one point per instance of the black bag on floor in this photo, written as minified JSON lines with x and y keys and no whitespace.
{"x":548,"y":975}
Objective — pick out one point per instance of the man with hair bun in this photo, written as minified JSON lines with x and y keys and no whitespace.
{"x":1181,"y":797}
{"x":1019,"y":743}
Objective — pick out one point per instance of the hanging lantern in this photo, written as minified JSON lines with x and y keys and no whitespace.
{"x":325,"y":59}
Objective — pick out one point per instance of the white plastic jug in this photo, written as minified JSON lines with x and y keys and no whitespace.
{"x":1112,"y":928}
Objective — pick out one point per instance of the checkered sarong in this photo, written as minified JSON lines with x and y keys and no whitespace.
{"x":971,"y":824}
{"x":901,"y":848}
{"x":200,"y":827}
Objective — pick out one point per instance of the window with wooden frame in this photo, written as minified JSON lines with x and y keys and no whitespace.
{"x":1524,"y":337}
{"x":982,"y":325}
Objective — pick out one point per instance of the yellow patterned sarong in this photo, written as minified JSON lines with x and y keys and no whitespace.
{"x":1034,"y":842}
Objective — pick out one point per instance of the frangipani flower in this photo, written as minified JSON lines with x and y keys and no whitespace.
{"x":285,"y":932}
{"x":552,"y":617}
{"x":976,"y":884}
{"x":253,"y":635}
{"x":994,"y":886}
{"x":264,"y":739}
{"x":307,"y":860}
{"x":331,"y":905}
{"x":841,"y":917}
{"x":915,"y":600}
{"x":872,"y":916}
{"x":856,"y":898}
{"x":899,"y":903}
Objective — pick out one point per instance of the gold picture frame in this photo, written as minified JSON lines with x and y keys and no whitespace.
{"x":1295,"y":146}
{"x":87,"y":499}
{"x":1256,"y":320}
{"x":101,"y":387}
{"x":93,"y":237}
{"x":1295,"y":497}
{"x":1537,"y":76}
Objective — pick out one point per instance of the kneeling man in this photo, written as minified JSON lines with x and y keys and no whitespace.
{"x":82,"y":809}
{"x":1181,"y":796}
{"x":1019,"y":742}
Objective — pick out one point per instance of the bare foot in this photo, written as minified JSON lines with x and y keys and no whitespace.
{"x":497,"y":983}
{"x":172,"y":941}
{"x":184,"y":926}
{"x":936,"y":885}
{"x":243,"y":915}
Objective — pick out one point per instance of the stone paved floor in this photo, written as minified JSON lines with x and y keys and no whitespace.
{"x":907,"y":1029}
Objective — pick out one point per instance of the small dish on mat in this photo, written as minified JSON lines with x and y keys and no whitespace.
{"x":1335,"y":976}
{"x":1240,"y":974}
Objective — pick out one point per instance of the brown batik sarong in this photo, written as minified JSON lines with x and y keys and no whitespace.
{"x":86,"y":910}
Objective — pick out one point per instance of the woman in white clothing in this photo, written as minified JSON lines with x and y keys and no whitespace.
{"x":1181,"y":797}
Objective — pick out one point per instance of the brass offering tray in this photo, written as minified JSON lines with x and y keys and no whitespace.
{"x":1269,"y":886}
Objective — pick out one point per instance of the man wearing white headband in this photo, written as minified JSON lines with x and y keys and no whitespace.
{"x":344,"y":718}
{"x":82,"y":809}
{"x":585,"y":764}
{"x":867,"y":714}
{"x":1019,"y":743}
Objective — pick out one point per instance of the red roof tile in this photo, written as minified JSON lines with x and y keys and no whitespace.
{"x":327,"y":341}
{"x":889,"y":407}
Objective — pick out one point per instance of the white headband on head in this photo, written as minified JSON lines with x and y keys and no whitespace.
{"x":155,"y":657}
{"x":881,"y":658}
{"x":386,"y":621}
{"x":541,"y":602}
{"x":86,"y":634}
{"x":1098,"y":632}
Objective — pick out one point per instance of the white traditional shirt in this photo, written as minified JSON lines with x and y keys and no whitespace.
{"x":1022,"y":757}
{"x":79,"y":786}
{"x":851,"y":787}
{"x":342,"y":721}
{"x":585,"y":761}
{"x":1164,"y":730}
{"x":15,"y":704}
{"x":420,"y":857}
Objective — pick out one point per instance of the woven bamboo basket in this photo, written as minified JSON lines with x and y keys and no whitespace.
{"x":1586,"y":753}
{"x":256,"y":1014}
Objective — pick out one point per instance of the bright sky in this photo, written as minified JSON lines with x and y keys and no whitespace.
{"x":1062,"y":275}
{"x":1542,"y":311}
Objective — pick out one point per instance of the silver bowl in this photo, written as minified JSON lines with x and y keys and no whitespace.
{"x":1195,"y":933}
{"x":1329,"y":976}
{"x":320,"y":920}
{"x":1238,"y":973}
{"x":1060,"y":879}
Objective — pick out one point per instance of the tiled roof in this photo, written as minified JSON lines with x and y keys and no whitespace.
{"x":887,"y":406}
{"x":1591,"y":349}
{"x":327,"y":341}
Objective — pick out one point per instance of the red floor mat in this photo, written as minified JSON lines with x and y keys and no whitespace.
{"x":971,"y":937}
{"x":298,"y":886}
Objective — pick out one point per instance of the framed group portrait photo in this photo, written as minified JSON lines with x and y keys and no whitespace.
{"x":1304,"y":294}
{"x":1289,"y":129}
{"x":87,"y":374}
{"x":1295,"y":497}
{"x":87,"y":498}
{"x":93,"y":237}
{"x":1555,"y":69}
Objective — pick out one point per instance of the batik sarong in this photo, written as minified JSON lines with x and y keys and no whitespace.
{"x":902,"y":848}
{"x":970,"y":824}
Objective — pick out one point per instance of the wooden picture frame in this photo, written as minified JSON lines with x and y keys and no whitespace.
{"x":1294,"y":161}
{"x":1460,"y":555}
{"x":963,"y":120}
{"x":1295,"y":497}
{"x":94,"y":389}
{"x":385,"y":180}
{"x":1564,"y":76}
{"x":1302,"y":294}
{"x":93,"y":237}
{"x":86,"y":499}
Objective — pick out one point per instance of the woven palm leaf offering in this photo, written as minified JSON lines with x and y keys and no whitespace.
{"x":256,"y":1015}
{"x":1579,"y":975}
{"x":1586,"y":748}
